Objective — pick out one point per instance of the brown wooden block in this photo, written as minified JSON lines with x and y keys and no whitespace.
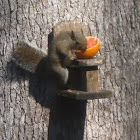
{"x":84,"y":75}
{"x":81,"y":79}
{"x":92,"y":81}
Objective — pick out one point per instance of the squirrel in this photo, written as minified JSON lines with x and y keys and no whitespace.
{"x":52,"y":67}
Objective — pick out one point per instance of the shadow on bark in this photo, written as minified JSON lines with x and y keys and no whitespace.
{"x":37,"y":87}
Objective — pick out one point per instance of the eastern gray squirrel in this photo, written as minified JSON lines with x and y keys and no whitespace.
{"x":52,"y":67}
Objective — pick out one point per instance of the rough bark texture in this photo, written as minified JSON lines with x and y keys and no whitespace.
{"x":117,"y":24}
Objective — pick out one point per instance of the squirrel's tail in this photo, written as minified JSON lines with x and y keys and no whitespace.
{"x":27,"y":57}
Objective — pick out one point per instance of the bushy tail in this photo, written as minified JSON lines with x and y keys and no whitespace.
{"x":27,"y":57}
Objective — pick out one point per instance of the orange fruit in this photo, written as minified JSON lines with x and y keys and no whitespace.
{"x":93,"y":45}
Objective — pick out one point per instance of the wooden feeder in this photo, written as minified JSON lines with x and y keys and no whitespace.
{"x":83,"y":78}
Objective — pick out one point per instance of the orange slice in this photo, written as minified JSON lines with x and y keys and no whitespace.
{"x":93,"y":45}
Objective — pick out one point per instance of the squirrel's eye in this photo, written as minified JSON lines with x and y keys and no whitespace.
{"x":77,"y":43}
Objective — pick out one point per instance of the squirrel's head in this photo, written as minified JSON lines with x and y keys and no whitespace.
{"x":80,"y":40}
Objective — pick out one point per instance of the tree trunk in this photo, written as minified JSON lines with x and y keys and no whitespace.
{"x":117,"y":25}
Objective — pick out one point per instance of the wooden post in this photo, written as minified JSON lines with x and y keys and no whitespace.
{"x":92,"y":80}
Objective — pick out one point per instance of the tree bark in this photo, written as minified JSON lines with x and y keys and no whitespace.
{"x":117,"y":25}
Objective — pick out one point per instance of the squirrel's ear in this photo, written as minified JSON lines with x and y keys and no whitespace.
{"x":82,"y":31}
{"x":72,"y":35}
